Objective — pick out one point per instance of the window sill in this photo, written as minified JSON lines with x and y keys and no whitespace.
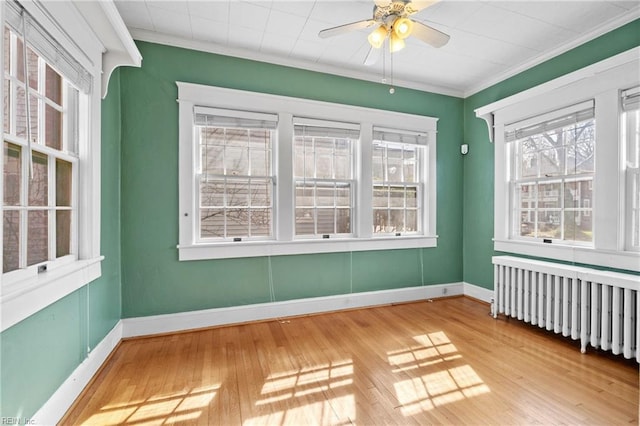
{"x":626,"y":260}
{"x":21,"y":299}
{"x":281,"y":248}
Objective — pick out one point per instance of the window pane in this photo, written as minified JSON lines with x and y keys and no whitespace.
{"x":396,"y":196}
{"x":549,"y":196}
{"x":304,"y":159}
{"x":237,"y":222}
{"x":20,"y":60}
{"x":380,"y":221}
{"x":11,"y":241}
{"x":260,"y":222}
{"x":20,"y":113}
{"x":7,"y":106}
{"x":527,"y":224}
{"x":7,"y":49}
{"x":211,"y":223}
{"x":580,"y":158}
{"x":32,"y":60}
{"x":63,"y":232}
{"x":343,"y":196}
{"x":212,"y":159}
{"x":326,"y":221}
{"x":325,"y":196}
{"x":577,"y":226}
{"x":305,"y":221}
{"x":236,"y":161}
{"x":237,"y":194}
{"x":237,"y":138}
{"x":343,"y":221}
{"x":396,"y":220}
{"x":378,"y":162}
{"x":63,"y":183}
{"x":12,"y":174}
{"x":552,"y":162}
{"x":528,"y":162}
{"x":411,"y":224}
{"x":53,"y":127}
{"x":304,"y":196}
{"x":411,"y":196}
{"x":39,"y":184}
{"x":394,"y":164}
{"x":212,"y":194}
{"x":324,"y":158}
{"x":260,"y":162}
{"x":37,"y":237}
{"x":53,"y":85}
{"x":260,"y":193}
{"x":380,"y":196}
{"x":410,"y":163}
{"x":549,"y":224}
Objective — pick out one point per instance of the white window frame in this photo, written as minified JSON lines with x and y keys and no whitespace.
{"x":285,"y":243}
{"x":601,"y":82}
{"x":25,"y":293}
{"x":631,"y":166}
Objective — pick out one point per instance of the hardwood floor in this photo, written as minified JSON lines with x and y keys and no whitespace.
{"x":440,"y":362}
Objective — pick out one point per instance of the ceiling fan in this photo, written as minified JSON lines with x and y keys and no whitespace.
{"x":391,"y":18}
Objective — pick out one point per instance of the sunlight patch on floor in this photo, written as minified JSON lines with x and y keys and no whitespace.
{"x":170,"y":408}
{"x":316,"y":395}
{"x":445,"y":381}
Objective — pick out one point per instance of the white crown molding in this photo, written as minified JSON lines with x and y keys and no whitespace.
{"x":597,"y":32}
{"x":169,"y":40}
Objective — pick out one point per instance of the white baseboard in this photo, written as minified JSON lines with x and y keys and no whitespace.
{"x":158,"y":324}
{"x":478,"y":292}
{"x":53,"y":410}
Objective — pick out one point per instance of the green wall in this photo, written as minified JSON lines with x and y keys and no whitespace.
{"x":154,"y":282}
{"x":478,"y":164}
{"x":40,"y":352}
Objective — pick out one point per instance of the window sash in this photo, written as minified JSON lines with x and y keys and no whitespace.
{"x":41,"y":41}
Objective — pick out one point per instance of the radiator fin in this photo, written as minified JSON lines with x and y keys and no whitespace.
{"x":599,"y":308}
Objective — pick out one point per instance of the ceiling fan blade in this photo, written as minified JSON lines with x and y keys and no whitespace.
{"x":372,"y":57}
{"x":341,"y":29}
{"x":418,"y":5}
{"x":429,"y":34}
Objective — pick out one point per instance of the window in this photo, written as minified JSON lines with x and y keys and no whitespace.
{"x":323,"y":172}
{"x":552,"y":167}
{"x":397,"y":182}
{"x":631,"y":139}
{"x":39,"y":162}
{"x":562,"y":152}
{"x":235,"y":174}
{"x":51,"y":158}
{"x":265,"y":175}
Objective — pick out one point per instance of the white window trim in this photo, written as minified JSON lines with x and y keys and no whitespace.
{"x":285,"y":243}
{"x":601,"y":82}
{"x":22,"y":298}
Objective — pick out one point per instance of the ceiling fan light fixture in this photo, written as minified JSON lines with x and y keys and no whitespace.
{"x":395,"y":43}
{"x":377,"y":36}
{"x":402,"y":27}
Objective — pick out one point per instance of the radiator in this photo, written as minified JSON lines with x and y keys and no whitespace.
{"x":600,"y":308}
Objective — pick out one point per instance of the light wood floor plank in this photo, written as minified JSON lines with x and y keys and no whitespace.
{"x":440,"y":362}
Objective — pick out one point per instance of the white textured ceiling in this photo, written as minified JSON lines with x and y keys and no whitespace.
{"x":490,"y":40}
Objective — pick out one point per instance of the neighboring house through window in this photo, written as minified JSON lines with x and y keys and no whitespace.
{"x":271,"y":175}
